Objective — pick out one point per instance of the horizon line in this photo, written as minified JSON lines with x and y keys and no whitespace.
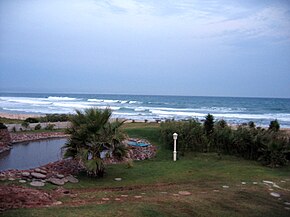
{"x":130,"y":94}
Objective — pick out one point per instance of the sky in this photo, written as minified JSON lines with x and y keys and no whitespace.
{"x":165,"y":47}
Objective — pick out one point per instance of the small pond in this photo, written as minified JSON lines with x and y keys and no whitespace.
{"x":27,"y":155}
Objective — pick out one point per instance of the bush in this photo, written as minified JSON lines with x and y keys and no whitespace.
{"x":251,"y":124}
{"x":25,"y":124}
{"x":37,"y":127}
{"x":54,"y":118}
{"x":2,"y":126}
{"x":190,"y":135}
{"x":209,"y":124}
{"x":32,"y":120}
{"x":274,"y":125}
{"x":271,"y":147}
{"x":49,"y":127}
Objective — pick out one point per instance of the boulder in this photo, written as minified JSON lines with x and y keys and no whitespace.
{"x":275,"y":194}
{"x":25,"y":174}
{"x":72,"y":179}
{"x":37,"y":184}
{"x":56,"y":181}
{"x":38,"y":175}
{"x":60,"y":176}
{"x":184,"y":193}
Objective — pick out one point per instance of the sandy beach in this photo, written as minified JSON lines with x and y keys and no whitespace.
{"x":19,"y":116}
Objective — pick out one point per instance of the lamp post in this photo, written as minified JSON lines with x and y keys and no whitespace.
{"x":174,"y":150}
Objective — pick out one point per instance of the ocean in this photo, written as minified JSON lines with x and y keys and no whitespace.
{"x":235,"y":110}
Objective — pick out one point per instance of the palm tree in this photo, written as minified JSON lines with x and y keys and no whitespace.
{"x":91,"y":134}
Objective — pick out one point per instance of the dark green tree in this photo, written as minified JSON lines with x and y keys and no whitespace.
{"x":209,"y":124}
{"x":274,"y":125}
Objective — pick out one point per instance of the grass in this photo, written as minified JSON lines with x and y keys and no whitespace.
{"x":10,"y":121}
{"x":159,"y":179}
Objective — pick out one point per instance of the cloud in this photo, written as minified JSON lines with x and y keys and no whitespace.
{"x":209,"y":19}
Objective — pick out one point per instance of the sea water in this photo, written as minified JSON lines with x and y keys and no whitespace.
{"x":234,"y":110}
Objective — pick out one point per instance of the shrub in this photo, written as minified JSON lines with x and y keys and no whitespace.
{"x":49,"y":127}
{"x":2,"y":126}
{"x":208,"y":124}
{"x":274,"y":125}
{"x":32,"y":120}
{"x":25,"y":124}
{"x":271,"y":147}
{"x":190,"y":135}
{"x":274,"y":152}
{"x":54,"y":118}
{"x":251,"y":124}
{"x":37,"y":127}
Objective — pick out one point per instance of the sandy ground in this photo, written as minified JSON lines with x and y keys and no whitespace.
{"x":19,"y":116}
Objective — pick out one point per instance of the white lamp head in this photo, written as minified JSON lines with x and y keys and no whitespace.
{"x":175,"y":136}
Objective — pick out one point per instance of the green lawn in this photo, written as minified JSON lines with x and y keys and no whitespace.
{"x":159,"y":180}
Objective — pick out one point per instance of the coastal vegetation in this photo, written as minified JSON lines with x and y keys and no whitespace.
{"x":269,"y":146}
{"x":48,"y":118}
{"x":91,"y":133}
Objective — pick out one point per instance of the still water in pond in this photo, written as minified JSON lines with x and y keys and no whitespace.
{"x":28,"y":155}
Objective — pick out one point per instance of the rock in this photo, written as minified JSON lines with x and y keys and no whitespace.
{"x":57,"y":203}
{"x":287,"y":203}
{"x":267,"y":182}
{"x":175,"y":195}
{"x":43,"y":171}
{"x":255,"y":183}
{"x":117,"y":199}
{"x":25,"y":174}
{"x":225,"y":186}
{"x":37,"y":184}
{"x":38,"y":175}
{"x":124,"y":195}
{"x":283,"y":181}
{"x":243,"y":183}
{"x":118,"y":179}
{"x":275,"y":194}
{"x":37,"y":170}
{"x":72,"y":179}
{"x":287,"y":208}
{"x":138,"y":196}
{"x":22,"y":181}
{"x":105,"y":198}
{"x":276,"y":186}
{"x":56,"y":181}
{"x":60,"y":176}
{"x":216,"y":190}
{"x":163,"y":192}
{"x":184,"y":193}
{"x":11,"y":179}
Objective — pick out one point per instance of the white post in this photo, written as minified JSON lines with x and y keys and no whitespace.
{"x":174,"y":150}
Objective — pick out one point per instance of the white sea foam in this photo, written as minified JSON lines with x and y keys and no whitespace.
{"x":135,"y":102}
{"x":134,"y":110}
{"x":95,"y":100}
{"x":59,"y":98}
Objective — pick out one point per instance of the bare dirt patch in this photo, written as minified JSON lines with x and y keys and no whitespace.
{"x":22,"y":197}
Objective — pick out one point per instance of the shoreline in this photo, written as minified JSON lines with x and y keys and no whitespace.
{"x":22,"y":117}
{"x":19,"y":116}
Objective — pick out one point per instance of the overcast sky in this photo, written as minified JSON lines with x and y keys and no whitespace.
{"x":165,"y":47}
